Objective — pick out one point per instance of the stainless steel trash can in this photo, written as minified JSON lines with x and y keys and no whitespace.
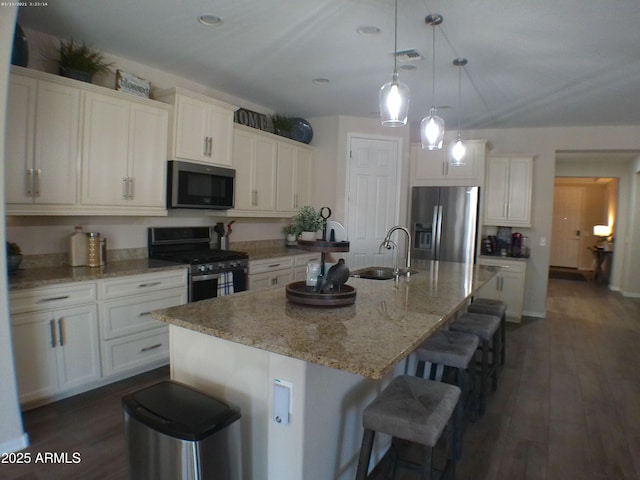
{"x":175,"y":432}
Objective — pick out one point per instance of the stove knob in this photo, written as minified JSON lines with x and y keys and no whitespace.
{"x":209,"y":267}
{"x":202,"y":268}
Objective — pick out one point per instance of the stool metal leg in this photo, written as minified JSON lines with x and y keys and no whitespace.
{"x":365,"y":454}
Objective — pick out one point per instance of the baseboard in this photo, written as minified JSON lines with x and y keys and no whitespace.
{"x":16,"y":444}
{"x":534,"y":314}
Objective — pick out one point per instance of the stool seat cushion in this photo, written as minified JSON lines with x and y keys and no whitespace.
{"x":452,"y":349}
{"x":482,"y":325}
{"x":488,"y":306}
{"x":412,"y":409}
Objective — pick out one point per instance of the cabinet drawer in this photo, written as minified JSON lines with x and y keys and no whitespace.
{"x":301,"y":260}
{"x":270,"y":264}
{"x":150,"y":282}
{"x":125,"y":316}
{"x":48,"y":298}
{"x":135,"y":351}
{"x":515,"y":266}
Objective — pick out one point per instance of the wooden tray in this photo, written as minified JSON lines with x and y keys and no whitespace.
{"x":298,"y":292}
{"x":323,"y":246}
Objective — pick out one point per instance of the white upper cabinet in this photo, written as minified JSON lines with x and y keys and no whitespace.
{"x":432,"y":168}
{"x":201,"y":127}
{"x":75,"y":148}
{"x":273,"y":176}
{"x":508,"y":188}
{"x":123,"y":154}
{"x":43,"y":122}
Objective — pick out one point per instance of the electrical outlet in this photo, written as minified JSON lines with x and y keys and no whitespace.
{"x":543,"y":241}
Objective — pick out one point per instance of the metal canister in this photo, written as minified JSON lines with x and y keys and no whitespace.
{"x":93,"y":249}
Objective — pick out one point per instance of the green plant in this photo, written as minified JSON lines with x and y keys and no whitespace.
{"x":308,"y":220}
{"x":13,"y":249}
{"x":78,"y":56}
{"x":290,"y":229}
{"x":282,"y":124}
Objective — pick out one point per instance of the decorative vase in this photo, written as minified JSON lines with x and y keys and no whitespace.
{"x":291,"y":238}
{"x":308,"y":236}
{"x":76,"y":74}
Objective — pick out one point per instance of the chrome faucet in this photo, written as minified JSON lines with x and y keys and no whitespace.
{"x":387,"y":243}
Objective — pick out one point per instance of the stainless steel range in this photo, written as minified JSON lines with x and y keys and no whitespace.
{"x":213,"y":272}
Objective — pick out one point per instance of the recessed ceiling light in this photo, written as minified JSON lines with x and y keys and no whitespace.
{"x":407,"y":68}
{"x":368,"y":30}
{"x":209,"y":20}
{"x":320,"y":81}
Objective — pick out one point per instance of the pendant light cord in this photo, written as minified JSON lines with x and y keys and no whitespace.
{"x":459,"y":96}
{"x":395,"y":44}
{"x":433,"y":59}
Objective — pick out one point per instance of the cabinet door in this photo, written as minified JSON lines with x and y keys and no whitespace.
{"x":78,"y":342}
{"x":220,"y":131}
{"x":428,"y":165}
{"x":192,"y":129}
{"x":512,"y":293}
{"x":20,"y":133}
{"x":34,"y":348}
{"x":303,"y":178}
{"x":147,"y":154}
{"x":520,"y":185}
{"x":286,"y":178}
{"x":254,"y":158}
{"x":496,"y":191}
{"x":105,"y":150}
{"x":490,"y":289}
{"x":471,"y":161}
{"x":56,"y":144}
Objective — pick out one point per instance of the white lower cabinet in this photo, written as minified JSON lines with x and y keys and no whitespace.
{"x":279,"y":271}
{"x":56,"y":344}
{"x":508,"y":285}
{"x":73,"y":337}
{"x":132,"y":341}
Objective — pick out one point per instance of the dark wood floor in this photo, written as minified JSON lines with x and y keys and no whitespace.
{"x":567,"y":407}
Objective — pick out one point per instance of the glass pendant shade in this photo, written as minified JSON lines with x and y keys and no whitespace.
{"x":394,"y":103}
{"x":432,"y":131}
{"x":458,"y":151}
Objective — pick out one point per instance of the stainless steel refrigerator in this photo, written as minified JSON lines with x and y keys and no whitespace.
{"x":444,"y":223}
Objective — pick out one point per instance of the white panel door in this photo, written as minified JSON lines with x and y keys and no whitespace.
{"x":372,"y":209}
{"x":565,"y":240}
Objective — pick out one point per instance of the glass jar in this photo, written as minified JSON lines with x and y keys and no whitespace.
{"x":93,"y":249}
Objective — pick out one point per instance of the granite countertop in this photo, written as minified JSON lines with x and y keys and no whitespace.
{"x":42,"y":276}
{"x":386,"y":323}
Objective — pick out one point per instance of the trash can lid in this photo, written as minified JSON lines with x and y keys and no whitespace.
{"x":179,"y":411}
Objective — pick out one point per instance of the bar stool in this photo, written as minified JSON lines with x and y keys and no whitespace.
{"x":415,"y":410}
{"x":454,"y":352}
{"x":487,"y":329}
{"x":489,"y":306}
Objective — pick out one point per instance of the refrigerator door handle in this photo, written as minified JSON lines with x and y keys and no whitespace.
{"x":437,"y":230}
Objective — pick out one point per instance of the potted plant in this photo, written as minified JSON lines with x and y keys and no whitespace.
{"x":282,"y":125}
{"x":307,"y":221}
{"x":291,"y":232}
{"x":14,"y":257}
{"x":80,"y":62}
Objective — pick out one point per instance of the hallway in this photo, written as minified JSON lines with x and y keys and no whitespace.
{"x":567,"y":407}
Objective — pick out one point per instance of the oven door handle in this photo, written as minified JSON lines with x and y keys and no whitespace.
{"x":203,"y":278}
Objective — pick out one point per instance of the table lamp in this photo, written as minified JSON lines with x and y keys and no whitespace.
{"x":602,"y":231}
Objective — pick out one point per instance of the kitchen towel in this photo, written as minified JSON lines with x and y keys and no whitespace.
{"x":225,"y":284}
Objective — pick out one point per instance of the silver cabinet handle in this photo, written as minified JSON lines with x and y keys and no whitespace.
{"x":274,"y":265}
{"x":36,"y":182}
{"x":295,"y":200}
{"x":204,"y":278}
{"x":61,"y":331}
{"x":254,"y":198}
{"x":53,"y":299}
{"x":52,"y":332}
{"x":211,"y":146}
{"x":144,"y":314}
{"x":152,"y":347}
{"x":125,"y":187}
{"x":151,"y":284}
{"x":29,"y":182}
{"x":204,"y":147}
{"x":130,"y":187}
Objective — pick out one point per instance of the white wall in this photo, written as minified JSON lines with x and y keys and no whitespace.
{"x":12,"y":436}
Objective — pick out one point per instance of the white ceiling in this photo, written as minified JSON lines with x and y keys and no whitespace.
{"x":531,"y":63}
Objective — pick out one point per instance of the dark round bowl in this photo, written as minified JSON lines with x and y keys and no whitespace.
{"x":13,"y":263}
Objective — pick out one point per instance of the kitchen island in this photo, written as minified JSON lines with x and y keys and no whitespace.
{"x":331,"y":361}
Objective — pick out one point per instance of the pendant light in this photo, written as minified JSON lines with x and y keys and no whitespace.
{"x":459,"y":149}
{"x":394,"y":95}
{"x":432,"y":126}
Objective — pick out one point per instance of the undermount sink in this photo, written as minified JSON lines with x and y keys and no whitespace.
{"x":380,"y":273}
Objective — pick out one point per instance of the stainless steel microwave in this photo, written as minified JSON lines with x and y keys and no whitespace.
{"x":193,"y":185}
